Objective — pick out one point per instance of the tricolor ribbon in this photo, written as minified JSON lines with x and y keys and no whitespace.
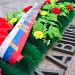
{"x":10,"y":49}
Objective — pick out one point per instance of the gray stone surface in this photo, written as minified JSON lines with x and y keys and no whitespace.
{"x":10,"y":5}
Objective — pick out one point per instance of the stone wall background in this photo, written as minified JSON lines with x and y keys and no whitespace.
{"x":10,"y":5}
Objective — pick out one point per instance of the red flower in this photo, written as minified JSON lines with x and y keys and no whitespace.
{"x":4,"y":25}
{"x":55,"y":10}
{"x":47,"y":1}
{"x":58,"y":0}
{"x":3,"y":35}
{"x":4,"y":28}
{"x":2,"y":32}
{"x":69,"y":7}
{"x":2,"y":38}
{"x":27,"y":8}
{"x":3,"y":20}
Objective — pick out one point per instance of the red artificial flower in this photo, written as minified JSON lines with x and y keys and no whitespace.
{"x":55,"y":10}
{"x":2,"y":38}
{"x":2,"y":32}
{"x":69,"y":7}
{"x":27,"y":8}
{"x":4,"y":25}
{"x":47,"y":1}
{"x":58,"y":0}
{"x":4,"y":28}
{"x":3,"y":20}
{"x":3,"y":35}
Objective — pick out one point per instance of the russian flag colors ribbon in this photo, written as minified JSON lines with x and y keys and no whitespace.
{"x":10,"y":49}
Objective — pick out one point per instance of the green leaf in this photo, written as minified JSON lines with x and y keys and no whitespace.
{"x":67,"y":3}
{"x":73,"y":4}
{"x":57,"y":33}
{"x":66,"y":11}
{"x":60,"y":26}
{"x":63,"y":14}
{"x":38,"y":26}
{"x":50,"y":32}
{"x":43,"y":20}
{"x":32,"y":51}
{"x":52,"y":17}
{"x":54,"y":24}
{"x":10,"y":70}
{"x":14,"y":14}
{"x":40,"y":11}
{"x":54,"y":32}
{"x":47,"y":6}
{"x":56,"y":6}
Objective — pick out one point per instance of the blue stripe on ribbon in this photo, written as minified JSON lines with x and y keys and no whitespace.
{"x":8,"y":53}
{"x":18,"y":36}
{"x":28,"y":17}
{"x":25,"y":22}
{"x":35,"y":7}
{"x":32,"y":12}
